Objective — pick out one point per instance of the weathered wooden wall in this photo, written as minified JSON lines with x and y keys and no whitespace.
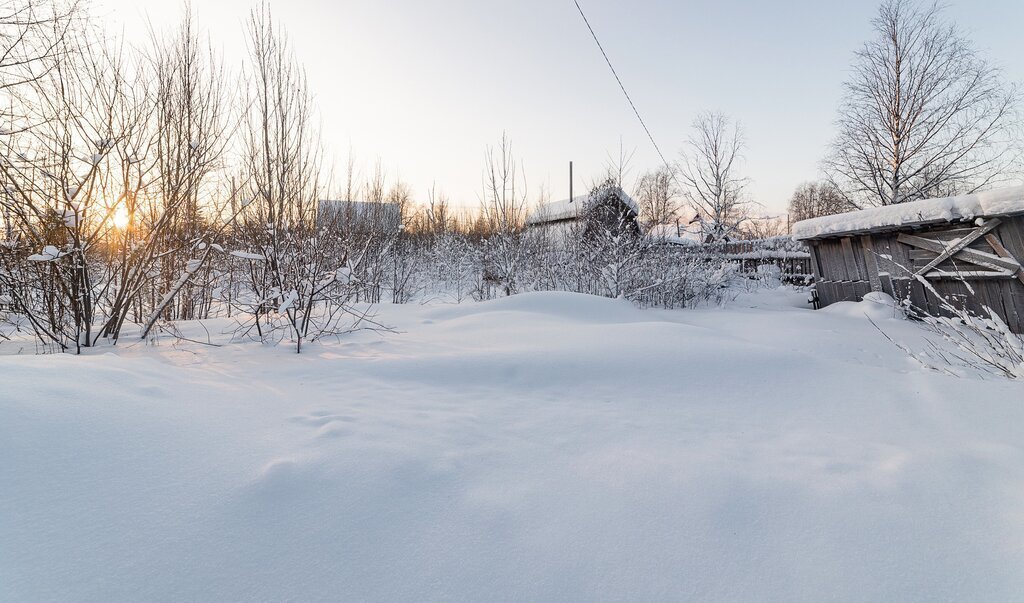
{"x":847,"y":268}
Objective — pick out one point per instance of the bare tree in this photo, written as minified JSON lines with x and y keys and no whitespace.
{"x":924,"y":114}
{"x":710,"y":175}
{"x":815,"y":199}
{"x":504,"y":212}
{"x":31,"y":37}
{"x":504,"y":204}
{"x":617,"y":167}
{"x":438,"y":216}
{"x":764,"y":227}
{"x":293,"y":274}
{"x":186,"y":146}
{"x":658,"y":196}
{"x":67,"y":175}
{"x":351,"y":176}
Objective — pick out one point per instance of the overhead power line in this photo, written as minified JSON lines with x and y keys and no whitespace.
{"x":619,"y":80}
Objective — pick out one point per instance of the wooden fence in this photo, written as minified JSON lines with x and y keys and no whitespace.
{"x":790,"y":258}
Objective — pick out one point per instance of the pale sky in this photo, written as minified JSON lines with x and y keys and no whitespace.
{"x":426,"y":85}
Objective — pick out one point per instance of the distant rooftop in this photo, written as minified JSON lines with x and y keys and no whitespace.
{"x":570,"y":209}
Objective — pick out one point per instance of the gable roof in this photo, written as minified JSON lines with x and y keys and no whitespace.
{"x":571,"y":209}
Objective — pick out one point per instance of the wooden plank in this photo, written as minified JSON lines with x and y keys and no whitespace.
{"x":1011,"y":235}
{"x":968,"y":274}
{"x":862,"y":264}
{"x":956,"y":293}
{"x":871,"y":261}
{"x":1002,"y":252}
{"x":900,"y":258}
{"x":840,"y":263}
{"x":949,"y":251}
{"x":975,"y":298}
{"x":932,"y":303}
{"x":988,"y":298}
{"x":824,"y":261}
{"x":949,"y":235}
{"x":988,"y":260}
{"x":853,"y":272}
{"x":887,"y":287}
{"x":918,"y":297}
{"x":832,"y":263}
{"x":1017,"y":298}
{"x":1013,"y":316}
{"x":849,"y":291}
{"x":826,"y":293}
{"x":883,"y":255}
{"x":840,"y":290}
{"x":815,"y":269}
{"x":878,"y":250}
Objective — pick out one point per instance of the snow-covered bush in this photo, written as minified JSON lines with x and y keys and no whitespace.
{"x":965,"y":342}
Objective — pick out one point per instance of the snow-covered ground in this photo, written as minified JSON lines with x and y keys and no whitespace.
{"x":541,"y":447}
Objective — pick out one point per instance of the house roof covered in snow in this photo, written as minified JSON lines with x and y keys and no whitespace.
{"x":571,"y":209}
{"x":1002,"y":202}
{"x":687,"y":234}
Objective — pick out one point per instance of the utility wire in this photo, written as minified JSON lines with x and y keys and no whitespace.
{"x":619,"y":80}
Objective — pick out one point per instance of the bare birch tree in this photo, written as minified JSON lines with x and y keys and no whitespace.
{"x":923,"y":115}
{"x":709,"y":172}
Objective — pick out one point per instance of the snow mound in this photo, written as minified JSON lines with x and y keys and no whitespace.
{"x":875,"y":306}
{"x":573,"y":307}
{"x":540,"y":447}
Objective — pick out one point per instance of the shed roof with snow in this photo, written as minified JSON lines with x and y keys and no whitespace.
{"x":927,"y":212}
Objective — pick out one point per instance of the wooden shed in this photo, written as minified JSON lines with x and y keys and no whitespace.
{"x":967,"y":249}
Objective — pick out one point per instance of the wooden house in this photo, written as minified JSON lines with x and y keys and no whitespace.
{"x":967,"y":250}
{"x":606,"y":209}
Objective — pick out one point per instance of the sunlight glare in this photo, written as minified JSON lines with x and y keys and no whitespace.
{"x":121,"y":217}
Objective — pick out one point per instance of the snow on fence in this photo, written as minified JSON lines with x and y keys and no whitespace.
{"x":783,"y":256}
{"x":965,"y":251}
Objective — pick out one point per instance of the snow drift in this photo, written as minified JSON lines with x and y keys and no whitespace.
{"x":546,"y":446}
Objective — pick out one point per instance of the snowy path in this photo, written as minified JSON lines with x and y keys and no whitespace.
{"x":546,"y":446}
